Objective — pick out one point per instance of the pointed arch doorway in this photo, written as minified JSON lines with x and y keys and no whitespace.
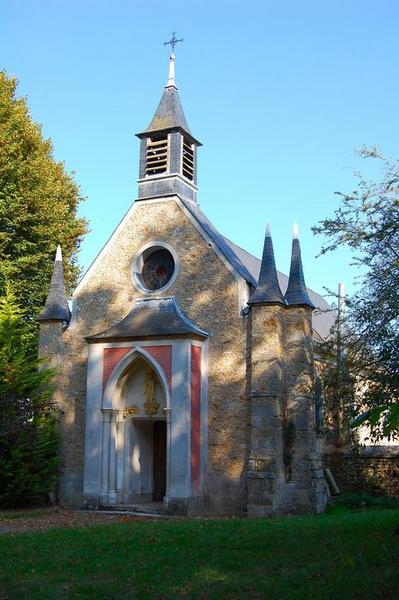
{"x":135,"y":432}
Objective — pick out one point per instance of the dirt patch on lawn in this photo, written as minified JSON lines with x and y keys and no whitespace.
{"x":26,"y":520}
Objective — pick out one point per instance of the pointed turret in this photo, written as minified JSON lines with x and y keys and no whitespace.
{"x":268,"y":289}
{"x":168,"y":154}
{"x":56,"y":307}
{"x":297,"y":294}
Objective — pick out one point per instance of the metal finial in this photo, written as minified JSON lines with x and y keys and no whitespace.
{"x":173,"y":41}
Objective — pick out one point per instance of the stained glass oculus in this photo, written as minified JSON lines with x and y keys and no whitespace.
{"x":158,"y":268}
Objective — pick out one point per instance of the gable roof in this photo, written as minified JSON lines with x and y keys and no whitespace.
{"x":245,"y":264}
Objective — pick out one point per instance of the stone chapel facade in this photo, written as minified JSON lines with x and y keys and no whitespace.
{"x":186,"y":366}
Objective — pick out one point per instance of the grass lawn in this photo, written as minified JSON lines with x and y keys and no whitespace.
{"x":335,"y":556}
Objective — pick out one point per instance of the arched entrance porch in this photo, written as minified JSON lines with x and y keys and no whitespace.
{"x":122,"y":409}
{"x":134,"y":439}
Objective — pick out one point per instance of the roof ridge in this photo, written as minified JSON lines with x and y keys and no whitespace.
{"x":218,"y":239}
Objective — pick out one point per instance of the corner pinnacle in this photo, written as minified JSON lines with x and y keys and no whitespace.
{"x":297,"y":293}
{"x":268,"y":289}
{"x":56,"y":307}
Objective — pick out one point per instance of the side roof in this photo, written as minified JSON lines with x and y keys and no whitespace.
{"x":225,"y":246}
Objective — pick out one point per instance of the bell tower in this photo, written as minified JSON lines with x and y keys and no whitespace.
{"x":168,"y":152}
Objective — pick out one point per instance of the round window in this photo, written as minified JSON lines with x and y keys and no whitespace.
{"x":154,"y":268}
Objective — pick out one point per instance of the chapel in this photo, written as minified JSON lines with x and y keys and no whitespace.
{"x":185,"y":365}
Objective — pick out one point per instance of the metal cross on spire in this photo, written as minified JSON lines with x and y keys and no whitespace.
{"x":173,"y":41}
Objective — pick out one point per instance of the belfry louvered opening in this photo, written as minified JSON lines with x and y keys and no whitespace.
{"x":157,"y":155}
{"x":188,"y":159}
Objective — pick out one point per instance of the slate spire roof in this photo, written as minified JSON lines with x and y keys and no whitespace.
{"x":268,"y":289}
{"x":56,"y":307}
{"x":169,"y":114}
{"x":297,"y":293}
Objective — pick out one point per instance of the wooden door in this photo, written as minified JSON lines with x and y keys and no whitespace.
{"x":159,"y":465}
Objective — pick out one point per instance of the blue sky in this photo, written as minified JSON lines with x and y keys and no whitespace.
{"x":280,"y":93}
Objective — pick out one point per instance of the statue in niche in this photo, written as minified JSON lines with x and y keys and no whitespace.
{"x":150,"y":406}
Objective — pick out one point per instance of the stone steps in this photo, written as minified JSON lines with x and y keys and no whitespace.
{"x":150,"y":508}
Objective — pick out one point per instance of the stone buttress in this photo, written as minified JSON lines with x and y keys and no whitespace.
{"x":284,"y":473}
{"x":53,"y":321}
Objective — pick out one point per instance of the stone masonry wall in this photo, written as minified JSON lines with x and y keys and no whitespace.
{"x":267,"y":397}
{"x":208,"y":293}
{"x":285,"y":471}
{"x":51,"y":351}
{"x":304,"y":490}
{"x":376,"y":475}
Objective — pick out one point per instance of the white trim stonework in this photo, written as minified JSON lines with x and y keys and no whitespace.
{"x":108,"y":451}
{"x":204,"y":412}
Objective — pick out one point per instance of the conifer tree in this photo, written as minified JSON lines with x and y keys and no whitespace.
{"x":28,"y":424}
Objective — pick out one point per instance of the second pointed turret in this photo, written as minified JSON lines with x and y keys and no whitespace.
{"x":297,"y":293}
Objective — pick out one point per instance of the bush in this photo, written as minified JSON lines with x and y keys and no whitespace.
{"x":362,"y":500}
{"x":28,"y":467}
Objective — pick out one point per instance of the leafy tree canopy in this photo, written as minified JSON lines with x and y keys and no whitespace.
{"x":368,"y":222}
{"x":38,"y":205}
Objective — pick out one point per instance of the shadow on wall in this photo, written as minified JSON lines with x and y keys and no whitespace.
{"x":70,"y":393}
{"x":101,"y":307}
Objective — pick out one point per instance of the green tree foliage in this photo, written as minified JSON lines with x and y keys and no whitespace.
{"x":29,"y":438}
{"x":368,"y":222}
{"x":38,"y":205}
